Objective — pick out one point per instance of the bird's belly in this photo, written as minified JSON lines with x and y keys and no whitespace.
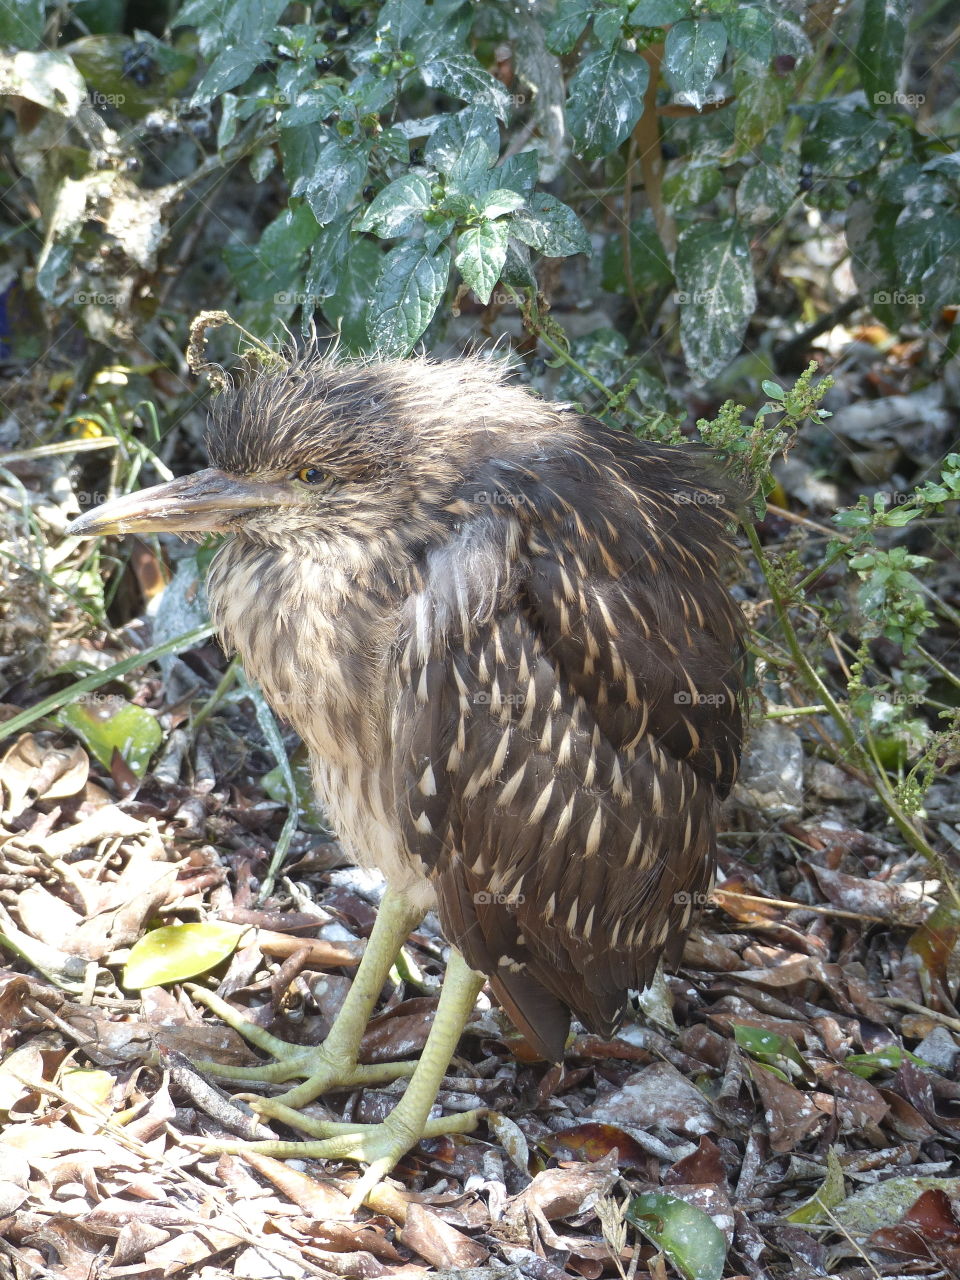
{"x":362,"y":822}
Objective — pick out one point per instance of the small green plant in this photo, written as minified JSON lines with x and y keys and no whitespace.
{"x":881,"y":720}
{"x":405,"y":156}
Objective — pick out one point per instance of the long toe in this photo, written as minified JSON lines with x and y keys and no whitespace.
{"x":378,"y":1146}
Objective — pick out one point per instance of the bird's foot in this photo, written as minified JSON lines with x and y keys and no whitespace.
{"x":378,"y":1146}
{"x":323,"y":1068}
{"x":334,"y":1063}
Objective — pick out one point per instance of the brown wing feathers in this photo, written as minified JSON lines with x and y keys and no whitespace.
{"x":577,"y":747}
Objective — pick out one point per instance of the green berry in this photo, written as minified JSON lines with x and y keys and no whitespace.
{"x":408,"y":59}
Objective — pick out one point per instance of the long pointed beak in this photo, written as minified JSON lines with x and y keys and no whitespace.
{"x":206,"y":501}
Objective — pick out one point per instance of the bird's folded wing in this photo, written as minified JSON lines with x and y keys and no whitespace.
{"x":560,"y":765}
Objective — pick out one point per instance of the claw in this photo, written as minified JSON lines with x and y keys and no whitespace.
{"x":334,"y":1065}
{"x":378,"y":1146}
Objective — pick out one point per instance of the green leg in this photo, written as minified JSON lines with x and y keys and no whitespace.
{"x":333,"y":1064}
{"x":381,"y":1145}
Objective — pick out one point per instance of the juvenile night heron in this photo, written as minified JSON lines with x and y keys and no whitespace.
{"x":501,"y":630}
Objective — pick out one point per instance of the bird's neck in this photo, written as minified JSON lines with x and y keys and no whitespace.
{"x":295,"y":617}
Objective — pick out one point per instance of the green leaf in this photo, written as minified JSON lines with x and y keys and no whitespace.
{"x":658,"y":13}
{"x":223,"y":24}
{"x":830,"y":1193}
{"x":106,"y":723}
{"x":437,"y":232}
{"x":411,"y":285}
{"x":884,"y":1204}
{"x":550,"y":227}
{"x":100,"y":16}
{"x":310,"y":106}
{"x":608,"y":25}
{"x":880,"y":48}
{"x":871,"y":238}
{"x":21,"y":23}
{"x":231,"y":67}
{"x":177,"y":951}
{"x":751,"y":32}
{"x":470,"y":171}
{"x":692,"y":52}
{"x":481,"y":252}
{"x":689,"y":1237}
{"x":717,"y":294}
{"x":842,"y":138}
{"x":428,"y":24}
{"x":568,"y":24}
{"x":772,"y":389}
{"x":768,"y":1047}
{"x":519,"y":172}
{"x":299,"y":148}
{"x":312,"y":817}
{"x":455,"y":132}
{"x":262,"y":162}
{"x":649,"y":260}
{"x":229,"y":119}
{"x":398,"y":208}
{"x":517,"y":271}
{"x":925,"y":245}
{"x":334,"y":184}
{"x":105,"y":62}
{"x":500,"y":201}
{"x":766,"y":192}
{"x":346,"y":307}
{"x":890,"y":1058}
{"x":462,"y":76}
{"x":326,"y":256}
{"x":691,"y":183}
{"x":273,"y":267}
{"x":606,"y":100}
{"x":50,"y":79}
{"x":762,"y":101}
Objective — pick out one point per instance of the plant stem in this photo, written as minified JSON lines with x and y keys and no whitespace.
{"x":784,"y":713}
{"x":864,"y":759}
{"x":228,"y":678}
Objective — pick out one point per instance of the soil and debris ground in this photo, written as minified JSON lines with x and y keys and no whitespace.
{"x":796,"y":1080}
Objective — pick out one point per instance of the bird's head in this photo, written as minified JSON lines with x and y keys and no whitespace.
{"x":332,"y":450}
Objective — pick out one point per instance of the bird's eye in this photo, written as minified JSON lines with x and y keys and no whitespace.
{"x":310,"y":475}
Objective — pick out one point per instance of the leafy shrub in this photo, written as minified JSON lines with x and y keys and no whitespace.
{"x":423,"y":170}
{"x":401,"y":154}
